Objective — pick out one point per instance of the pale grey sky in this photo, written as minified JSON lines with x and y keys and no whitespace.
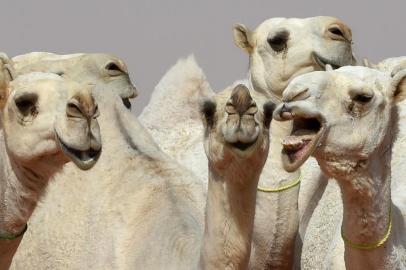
{"x":151,"y":35}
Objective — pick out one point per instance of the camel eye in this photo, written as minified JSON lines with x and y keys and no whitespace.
{"x":208,"y":111}
{"x":278,"y":42}
{"x":362,"y":98}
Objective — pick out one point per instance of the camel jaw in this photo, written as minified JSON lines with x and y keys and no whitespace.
{"x":302,"y":142}
{"x":85,"y":160}
{"x":323,"y":62}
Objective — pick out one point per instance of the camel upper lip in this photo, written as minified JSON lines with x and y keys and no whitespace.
{"x":301,"y":143}
{"x":322,"y":61}
{"x":83,"y":159}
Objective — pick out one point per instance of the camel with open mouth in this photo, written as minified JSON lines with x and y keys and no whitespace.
{"x":348,"y":120}
{"x":159,"y":221}
{"x":279,"y":49}
{"x":47,"y":121}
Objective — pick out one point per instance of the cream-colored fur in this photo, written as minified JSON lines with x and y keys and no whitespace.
{"x":309,"y":45}
{"x":159,"y":220}
{"x":236,"y":142}
{"x":323,"y":237}
{"x":357,"y":109}
{"x":47,"y":121}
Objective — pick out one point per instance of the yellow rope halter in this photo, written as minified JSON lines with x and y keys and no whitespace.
{"x":370,"y":246}
{"x":288,"y":186}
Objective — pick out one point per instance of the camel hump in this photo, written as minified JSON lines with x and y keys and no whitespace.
{"x":176,"y":98}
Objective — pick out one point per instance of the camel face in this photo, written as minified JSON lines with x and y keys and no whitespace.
{"x":341,"y":113}
{"x":51,"y":116}
{"x":281,"y":49}
{"x":236,"y":129}
{"x":88,"y":68}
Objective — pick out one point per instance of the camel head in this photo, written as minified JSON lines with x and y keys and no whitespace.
{"x":281,"y":49}
{"x":349,"y":113}
{"x":237,"y":132}
{"x":52,"y":120}
{"x":97,"y":69}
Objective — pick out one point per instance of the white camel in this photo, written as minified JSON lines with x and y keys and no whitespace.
{"x":159,"y":222}
{"x":348,"y":120}
{"x":322,"y":238}
{"x":279,"y":50}
{"x":46,"y":122}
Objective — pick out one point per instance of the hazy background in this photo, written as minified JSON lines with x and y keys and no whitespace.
{"x":151,"y":35}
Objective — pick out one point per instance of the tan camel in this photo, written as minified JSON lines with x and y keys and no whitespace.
{"x":279,"y":50}
{"x":47,"y":121}
{"x":159,"y":222}
{"x":348,"y":120}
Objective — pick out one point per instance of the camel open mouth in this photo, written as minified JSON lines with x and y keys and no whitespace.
{"x":302,"y":142}
{"x":322,"y":62}
{"x":83,"y":159}
{"x":243,"y":146}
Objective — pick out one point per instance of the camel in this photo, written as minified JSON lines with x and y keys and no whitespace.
{"x":236,"y":144}
{"x":80,"y":67}
{"x":47,"y":121}
{"x":348,"y":120}
{"x":279,"y":50}
{"x":159,"y":222}
{"x":322,"y":242}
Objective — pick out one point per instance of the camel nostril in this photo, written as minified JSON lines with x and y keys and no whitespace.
{"x":339,"y":32}
{"x":336,"y":31}
{"x":73,"y":109}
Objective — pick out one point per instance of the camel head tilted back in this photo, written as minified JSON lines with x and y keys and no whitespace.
{"x":51,"y":118}
{"x":97,"y":69}
{"x":236,"y":131}
{"x":281,"y":49}
{"x":349,"y":112}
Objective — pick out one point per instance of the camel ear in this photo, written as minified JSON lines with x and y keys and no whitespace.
{"x":399,"y":86}
{"x":269,"y":107}
{"x":7,"y":67}
{"x":208,"y":111}
{"x":7,"y":74}
{"x":367,"y":63}
{"x":243,"y":37}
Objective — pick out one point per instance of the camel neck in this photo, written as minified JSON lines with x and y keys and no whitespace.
{"x":230,"y":211}
{"x":366,"y":193}
{"x":21,"y":189}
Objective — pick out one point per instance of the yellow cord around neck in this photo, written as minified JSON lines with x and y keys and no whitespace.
{"x":370,"y":246}
{"x":288,"y":186}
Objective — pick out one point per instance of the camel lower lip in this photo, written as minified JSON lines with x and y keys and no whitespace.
{"x":83,"y":159}
{"x":242,"y":146}
{"x":298,"y":146}
{"x":322,"y":62}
